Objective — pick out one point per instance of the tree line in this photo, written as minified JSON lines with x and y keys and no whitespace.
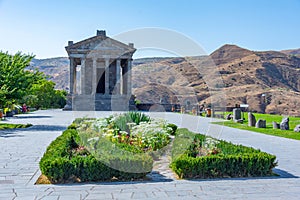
{"x":20,"y":84}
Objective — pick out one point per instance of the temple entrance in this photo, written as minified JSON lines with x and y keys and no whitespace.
{"x":101,"y":81}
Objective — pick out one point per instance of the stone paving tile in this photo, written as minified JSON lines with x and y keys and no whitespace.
{"x":99,"y":196}
{"x":30,"y":197}
{"x":49,"y":198}
{"x":69,"y":193}
{"x":70,"y":197}
{"x":124,"y":195}
{"x":6,"y":194}
{"x":160,"y":195}
{"x":142,"y":195}
{"x":20,"y":154}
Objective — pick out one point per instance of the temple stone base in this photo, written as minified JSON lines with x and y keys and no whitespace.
{"x":83,"y":102}
{"x":100,"y":103}
{"x":112,"y":104}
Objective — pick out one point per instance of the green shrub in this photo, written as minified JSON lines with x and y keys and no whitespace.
{"x":184,"y":138}
{"x":121,"y":121}
{"x":62,"y":161}
{"x":72,"y":126}
{"x":80,"y":120}
{"x":138,"y":117}
{"x":173,"y":127}
{"x":216,"y":166}
{"x":231,"y":161}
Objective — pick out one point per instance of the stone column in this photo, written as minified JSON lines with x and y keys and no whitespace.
{"x":107,"y":76}
{"x":118,"y":70}
{"x":94,"y":78}
{"x":72,"y":75}
{"x":82,"y":75}
{"x":129,"y":77}
{"x":121,"y":81}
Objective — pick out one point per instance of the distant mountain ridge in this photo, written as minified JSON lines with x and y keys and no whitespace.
{"x":266,"y":80}
{"x":295,"y":52}
{"x":57,"y":69}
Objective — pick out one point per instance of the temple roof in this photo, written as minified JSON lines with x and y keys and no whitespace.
{"x":100,"y":44}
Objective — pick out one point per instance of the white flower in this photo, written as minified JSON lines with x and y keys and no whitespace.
{"x":93,"y":139}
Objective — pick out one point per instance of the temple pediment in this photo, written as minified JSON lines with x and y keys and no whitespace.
{"x":101,"y":45}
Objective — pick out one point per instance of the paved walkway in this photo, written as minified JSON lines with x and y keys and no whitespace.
{"x":21,"y":150}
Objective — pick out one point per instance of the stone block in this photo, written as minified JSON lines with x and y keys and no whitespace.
{"x":297,"y":128}
{"x":260,"y":123}
{"x":237,"y":114}
{"x":276,"y":125}
{"x":251,"y":119}
{"x":239,"y":121}
{"x":284,"y":125}
{"x":229,"y":117}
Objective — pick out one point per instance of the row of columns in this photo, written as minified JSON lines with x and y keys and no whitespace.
{"x":119,"y":76}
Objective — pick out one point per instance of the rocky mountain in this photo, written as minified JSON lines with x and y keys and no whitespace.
{"x":57,"y":70}
{"x":268,"y":81}
{"x":295,"y":52}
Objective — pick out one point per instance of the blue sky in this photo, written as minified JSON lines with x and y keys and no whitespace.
{"x":43,"y":28}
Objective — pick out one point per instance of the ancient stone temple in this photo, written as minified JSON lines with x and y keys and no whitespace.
{"x":100,"y":74}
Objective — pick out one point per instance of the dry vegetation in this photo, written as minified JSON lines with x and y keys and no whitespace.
{"x":230,"y":75}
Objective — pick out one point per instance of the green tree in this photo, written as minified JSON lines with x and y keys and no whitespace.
{"x":60,"y":98}
{"x":43,"y":95}
{"x":15,"y":80}
{"x":20,"y":85}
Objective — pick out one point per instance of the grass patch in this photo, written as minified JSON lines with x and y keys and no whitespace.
{"x":12,"y":126}
{"x":269,"y":129}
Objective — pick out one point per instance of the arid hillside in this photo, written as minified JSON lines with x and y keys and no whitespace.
{"x":268,"y":81}
{"x":295,"y":52}
{"x":57,"y":70}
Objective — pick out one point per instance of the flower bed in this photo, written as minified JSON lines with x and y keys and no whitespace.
{"x":117,"y":147}
{"x":206,"y":157}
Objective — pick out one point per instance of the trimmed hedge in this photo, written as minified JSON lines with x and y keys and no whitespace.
{"x":173,"y":127}
{"x":232,"y":161}
{"x":61,"y":162}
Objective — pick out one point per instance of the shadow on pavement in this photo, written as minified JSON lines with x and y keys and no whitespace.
{"x":280,"y":174}
{"x":31,"y":116}
{"x":19,"y":132}
{"x":46,"y":128}
{"x":283,"y":174}
{"x":153,"y":177}
{"x":9,"y":134}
